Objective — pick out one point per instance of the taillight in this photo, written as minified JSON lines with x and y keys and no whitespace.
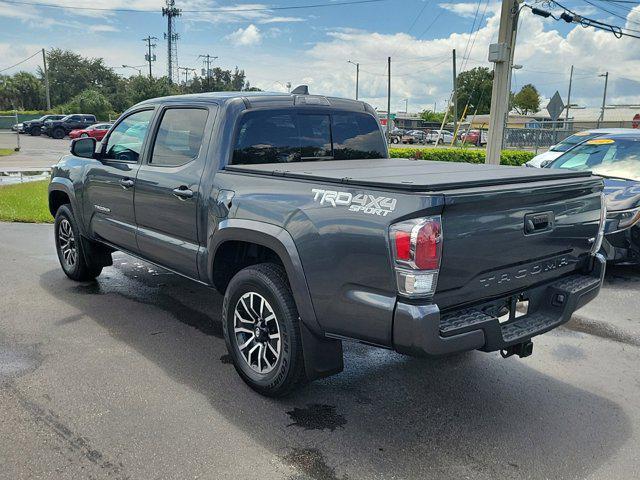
{"x":417,"y":249}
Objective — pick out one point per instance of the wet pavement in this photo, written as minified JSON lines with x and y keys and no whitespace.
{"x":128,"y":377}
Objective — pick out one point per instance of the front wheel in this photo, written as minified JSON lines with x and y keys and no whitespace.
{"x":70,"y":248}
{"x":261,"y":329}
{"x":84,"y":135}
{"x":35,"y":132}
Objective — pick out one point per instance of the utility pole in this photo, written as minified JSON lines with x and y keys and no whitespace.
{"x":604,"y":97}
{"x":149,"y":57}
{"x":357,"y":75}
{"x":171,"y":12}
{"x":389,"y":101}
{"x":501,"y":54}
{"x":186,"y":71}
{"x":46,"y":80}
{"x":455,"y":94}
{"x":207,"y":61}
{"x":566,"y":113}
{"x":406,"y":106}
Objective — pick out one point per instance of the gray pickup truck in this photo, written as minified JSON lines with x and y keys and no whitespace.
{"x":289,"y":206}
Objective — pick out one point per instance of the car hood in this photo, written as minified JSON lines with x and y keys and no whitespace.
{"x":543,"y":157}
{"x":621,"y":194}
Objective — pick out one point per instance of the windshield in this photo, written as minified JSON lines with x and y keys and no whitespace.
{"x":610,"y":156}
{"x":573,"y":140}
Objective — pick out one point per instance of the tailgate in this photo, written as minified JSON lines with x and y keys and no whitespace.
{"x":500,"y":239}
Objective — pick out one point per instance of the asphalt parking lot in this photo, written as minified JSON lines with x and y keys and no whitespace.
{"x":128,"y":378}
{"x":35,"y":153}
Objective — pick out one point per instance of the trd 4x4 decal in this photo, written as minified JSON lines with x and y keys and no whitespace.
{"x":361,"y":202}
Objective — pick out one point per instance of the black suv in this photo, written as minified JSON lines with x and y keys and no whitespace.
{"x":59,"y":128}
{"x":33,"y":127}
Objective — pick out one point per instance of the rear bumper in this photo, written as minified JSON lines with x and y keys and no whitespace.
{"x":420,"y":329}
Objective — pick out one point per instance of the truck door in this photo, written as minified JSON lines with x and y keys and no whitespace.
{"x":110,"y":182}
{"x":168,"y":189}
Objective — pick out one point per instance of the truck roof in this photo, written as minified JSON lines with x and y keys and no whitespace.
{"x":410,"y":175}
{"x":264,"y":99}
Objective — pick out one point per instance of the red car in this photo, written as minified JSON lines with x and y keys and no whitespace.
{"x":97,"y":131}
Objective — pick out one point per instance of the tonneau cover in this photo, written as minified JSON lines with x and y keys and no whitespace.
{"x":404,"y":174}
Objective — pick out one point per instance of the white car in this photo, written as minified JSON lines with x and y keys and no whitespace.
{"x":440,"y":137}
{"x":544,"y":159}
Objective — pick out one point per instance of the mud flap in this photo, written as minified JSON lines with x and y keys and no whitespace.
{"x":322,"y":356}
{"x":95,"y":253}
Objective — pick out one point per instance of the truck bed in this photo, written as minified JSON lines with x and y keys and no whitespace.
{"x":409,"y":175}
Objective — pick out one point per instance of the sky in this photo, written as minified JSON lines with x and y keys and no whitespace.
{"x":313,"y":45}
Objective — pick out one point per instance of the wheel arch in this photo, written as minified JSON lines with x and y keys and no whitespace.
{"x":322,"y":356}
{"x":61,"y":191}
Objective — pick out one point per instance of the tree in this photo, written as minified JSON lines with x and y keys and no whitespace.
{"x":430,"y":116}
{"x":22,"y":91}
{"x":89,"y":101}
{"x":70,"y":74}
{"x":527,"y":100}
{"x":141,"y":87}
{"x":474,"y":89}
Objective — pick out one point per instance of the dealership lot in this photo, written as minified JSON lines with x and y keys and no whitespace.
{"x":35,"y":153}
{"x":128,"y":378}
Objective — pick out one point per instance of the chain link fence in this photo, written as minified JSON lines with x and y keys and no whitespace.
{"x":9,"y":138}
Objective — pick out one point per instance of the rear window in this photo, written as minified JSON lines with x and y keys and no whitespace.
{"x":285,"y":136}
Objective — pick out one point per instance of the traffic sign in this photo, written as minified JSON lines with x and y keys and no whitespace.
{"x":555,"y":107}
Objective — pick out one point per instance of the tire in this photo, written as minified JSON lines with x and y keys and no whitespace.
{"x":35,"y":132}
{"x":70,"y":249}
{"x":261,"y":292}
{"x":84,"y":135}
{"x":58,"y":133}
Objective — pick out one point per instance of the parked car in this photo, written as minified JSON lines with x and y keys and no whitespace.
{"x":414,"y":136}
{"x":33,"y":127}
{"x":60,"y":128}
{"x":396,"y":135}
{"x":616,"y":158}
{"x":439,"y":137}
{"x":17,"y":127}
{"x":289,"y":206}
{"x":97,"y":131}
{"x":555,"y":151}
{"x":474,"y":137}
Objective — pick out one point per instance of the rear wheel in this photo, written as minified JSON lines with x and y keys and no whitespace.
{"x":70,"y":248}
{"x":58,"y":133}
{"x":261,"y":330}
{"x":84,"y":135}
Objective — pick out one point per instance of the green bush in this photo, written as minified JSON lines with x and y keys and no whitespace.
{"x":508,"y":157}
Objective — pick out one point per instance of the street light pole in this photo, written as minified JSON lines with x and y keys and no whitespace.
{"x":357,"y":75}
{"x":566,"y":113}
{"x":135,"y":67}
{"x":604,"y":96}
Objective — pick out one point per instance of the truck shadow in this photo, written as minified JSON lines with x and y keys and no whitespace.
{"x":386,"y":415}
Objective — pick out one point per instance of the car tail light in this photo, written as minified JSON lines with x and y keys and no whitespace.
{"x":417,"y":248}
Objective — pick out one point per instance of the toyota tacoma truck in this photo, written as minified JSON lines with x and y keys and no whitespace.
{"x":288,"y":205}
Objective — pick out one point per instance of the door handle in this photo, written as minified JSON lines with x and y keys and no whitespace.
{"x":126,"y":183}
{"x":183,"y":192}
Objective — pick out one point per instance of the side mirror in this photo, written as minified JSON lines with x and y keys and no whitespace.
{"x":83,"y":147}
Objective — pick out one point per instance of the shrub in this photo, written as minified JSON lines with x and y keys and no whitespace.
{"x":508,"y":157}
{"x":89,"y":101}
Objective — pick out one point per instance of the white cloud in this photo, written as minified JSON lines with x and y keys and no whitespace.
{"x":467,"y":10}
{"x":103,"y":28}
{"x":246,"y":36}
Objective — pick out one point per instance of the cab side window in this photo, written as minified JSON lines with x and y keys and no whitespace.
{"x":179,"y":136}
{"x":125,"y":141}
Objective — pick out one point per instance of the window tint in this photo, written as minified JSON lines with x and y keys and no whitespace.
{"x":280,"y":137}
{"x":179,"y":137}
{"x":356,"y":135}
{"x":125,"y":141}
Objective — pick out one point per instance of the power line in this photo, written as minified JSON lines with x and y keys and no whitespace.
{"x":617,"y":15}
{"x":214,"y":10}
{"x":21,"y":61}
